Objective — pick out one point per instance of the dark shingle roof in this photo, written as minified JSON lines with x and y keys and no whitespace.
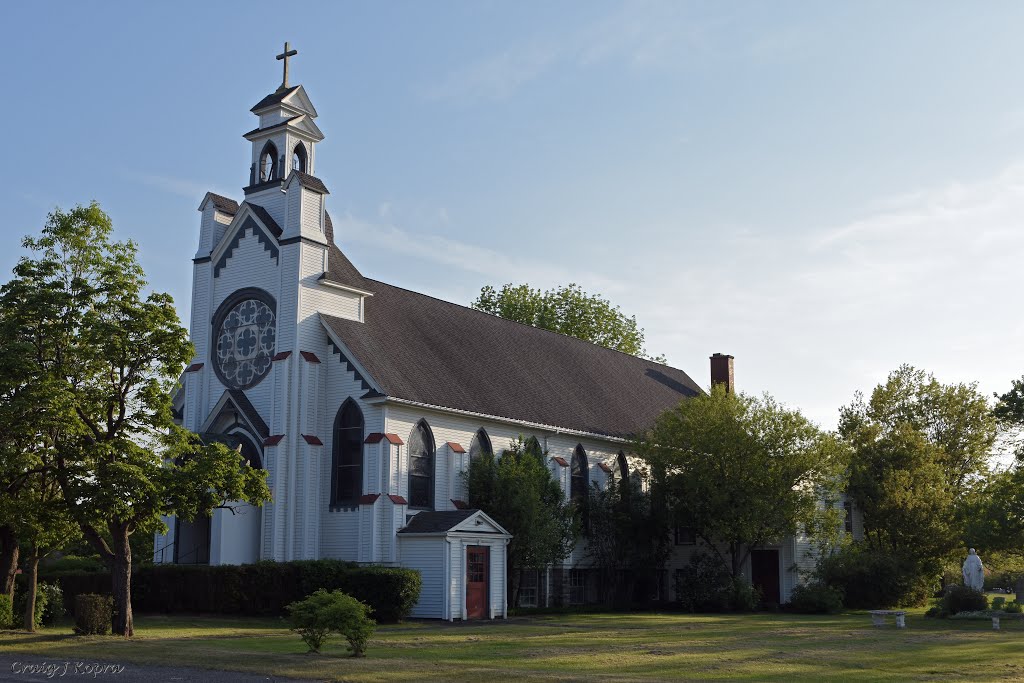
{"x":435,"y":522}
{"x":339,"y":269}
{"x":310,"y":181}
{"x":250,"y":412}
{"x":223,"y":204}
{"x":274,"y":97}
{"x":266,"y":218}
{"x":273,"y":127}
{"x":430,"y":351}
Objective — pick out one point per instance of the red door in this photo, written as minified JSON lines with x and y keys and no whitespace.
{"x":477,"y":563}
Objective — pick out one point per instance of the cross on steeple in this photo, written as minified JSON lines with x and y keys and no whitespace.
{"x":284,"y":56}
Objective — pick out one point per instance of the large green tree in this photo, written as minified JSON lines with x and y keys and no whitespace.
{"x":920,"y":450}
{"x":567,"y":310}
{"x":744,"y":472}
{"x":995,"y":517}
{"x":627,"y":538}
{"x":518,"y":491}
{"x":110,"y":355}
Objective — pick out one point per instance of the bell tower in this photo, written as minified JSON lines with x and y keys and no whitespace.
{"x":286,"y":137}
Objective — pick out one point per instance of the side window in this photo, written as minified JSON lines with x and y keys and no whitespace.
{"x":347,"y":455}
{"x":421,"y":467}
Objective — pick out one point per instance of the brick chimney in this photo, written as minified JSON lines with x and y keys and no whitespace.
{"x":721,"y":372}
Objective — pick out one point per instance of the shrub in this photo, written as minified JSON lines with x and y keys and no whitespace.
{"x":6,"y":611}
{"x":93,"y":613}
{"x":705,"y":585}
{"x":54,"y":602}
{"x":20,"y":597}
{"x":816,"y":598}
{"x":873,"y":579}
{"x":963,"y":599}
{"x":1013,"y":607}
{"x":998,"y":603}
{"x":702,"y":585}
{"x":260,"y":589}
{"x":74,"y":563}
{"x":324,"y":613}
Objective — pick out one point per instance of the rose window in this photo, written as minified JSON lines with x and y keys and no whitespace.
{"x":245,"y":343}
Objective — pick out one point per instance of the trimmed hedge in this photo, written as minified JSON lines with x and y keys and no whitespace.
{"x":93,"y":614}
{"x":261,"y":589}
{"x":6,"y":611}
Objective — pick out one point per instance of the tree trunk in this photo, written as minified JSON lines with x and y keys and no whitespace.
{"x":31,"y":585}
{"x":8,"y":559}
{"x":121,"y":573}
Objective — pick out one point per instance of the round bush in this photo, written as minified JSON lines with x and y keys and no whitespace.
{"x":93,"y":613}
{"x":324,"y":613}
{"x":875,"y":579}
{"x":963,"y":599}
{"x":816,"y":598}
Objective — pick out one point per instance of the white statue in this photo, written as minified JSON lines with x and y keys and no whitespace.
{"x":974,"y":571}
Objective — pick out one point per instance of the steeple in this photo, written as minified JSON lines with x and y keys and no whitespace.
{"x":286,"y":136}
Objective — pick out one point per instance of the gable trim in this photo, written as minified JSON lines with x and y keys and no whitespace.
{"x":346,"y":357}
{"x":227,"y":247}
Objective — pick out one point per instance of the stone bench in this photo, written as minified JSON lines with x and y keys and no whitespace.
{"x":878,"y":617}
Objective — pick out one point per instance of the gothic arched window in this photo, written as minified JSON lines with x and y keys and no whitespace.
{"x":250,"y":454}
{"x":580,"y":474}
{"x":421,"y":467}
{"x":347,"y":458}
{"x":481,"y":444}
{"x":623,"y":467}
{"x":299,"y":158}
{"x":268,"y":162}
{"x":532,"y":447}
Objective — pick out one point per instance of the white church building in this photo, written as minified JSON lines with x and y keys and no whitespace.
{"x":364,"y":401}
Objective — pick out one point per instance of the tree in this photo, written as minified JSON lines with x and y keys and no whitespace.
{"x":955,"y":418}
{"x":919,"y":449}
{"x":627,"y":539}
{"x":1009,"y":414}
{"x":110,"y":357}
{"x":567,"y":310}
{"x":518,"y":491}
{"x":744,"y":472}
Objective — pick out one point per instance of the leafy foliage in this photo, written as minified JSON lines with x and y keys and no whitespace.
{"x":6,"y":611}
{"x":519,"y":493}
{"x":567,"y":310}
{"x":324,"y":613}
{"x":920,"y":448}
{"x":93,"y":614}
{"x":963,"y":599}
{"x":744,"y":472}
{"x":39,"y":605}
{"x":815,"y":597}
{"x":260,"y":589}
{"x":108,"y":356}
{"x":627,"y":540}
{"x":706,"y":585}
{"x":873,"y":578}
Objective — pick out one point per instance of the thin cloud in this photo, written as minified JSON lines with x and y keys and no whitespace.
{"x":176,"y":186}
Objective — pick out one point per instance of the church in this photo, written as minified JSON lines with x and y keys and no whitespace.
{"x":365,"y":402}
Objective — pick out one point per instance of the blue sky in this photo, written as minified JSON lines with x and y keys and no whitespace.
{"x":824,"y":190}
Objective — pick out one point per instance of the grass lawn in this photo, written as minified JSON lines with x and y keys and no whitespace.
{"x":611,"y":647}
